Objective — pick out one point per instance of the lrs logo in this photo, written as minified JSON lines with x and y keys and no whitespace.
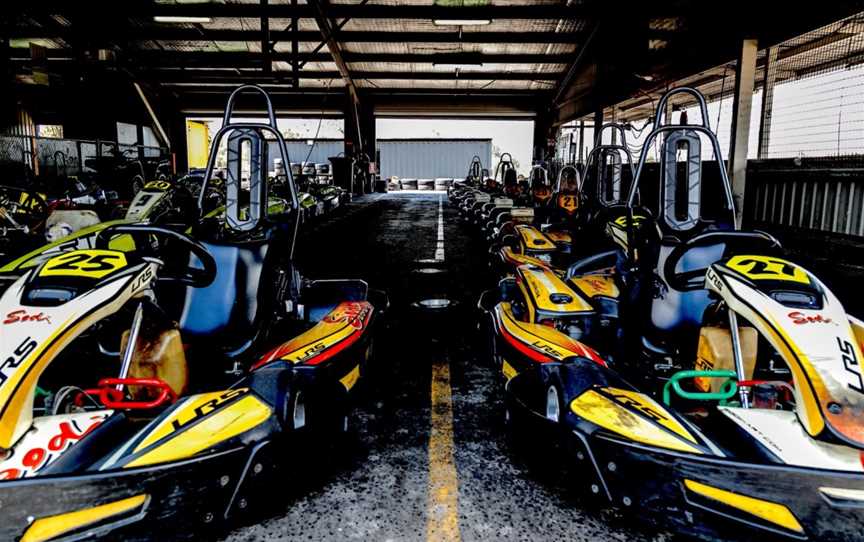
{"x":22,"y":316}
{"x":13,"y":361}
{"x":801,"y":318}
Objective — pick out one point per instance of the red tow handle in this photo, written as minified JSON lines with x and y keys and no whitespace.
{"x":112,"y":398}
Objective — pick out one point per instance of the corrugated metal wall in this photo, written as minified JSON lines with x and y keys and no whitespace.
{"x":403,"y":158}
{"x":820,"y":195}
{"x":431,"y":158}
{"x":298,"y":149}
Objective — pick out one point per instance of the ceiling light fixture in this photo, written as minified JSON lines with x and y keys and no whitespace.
{"x":180,"y":19}
{"x":461,"y":22}
{"x":456,"y":65}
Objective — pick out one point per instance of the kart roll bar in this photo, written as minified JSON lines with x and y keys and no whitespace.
{"x":258,"y":197}
{"x":561,"y":175}
{"x":613,"y":126}
{"x":536,"y":167}
{"x":475,"y":170}
{"x":503,"y":165}
{"x":599,"y":150}
{"x":703,"y":128}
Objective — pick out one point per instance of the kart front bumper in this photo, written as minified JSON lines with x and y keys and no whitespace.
{"x":716,"y":497}
{"x":169,"y":501}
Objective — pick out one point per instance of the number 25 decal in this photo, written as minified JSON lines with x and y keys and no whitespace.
{"x":84,"y":263}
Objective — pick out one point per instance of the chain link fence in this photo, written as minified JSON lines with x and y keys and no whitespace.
{"x":29,"y":155}
{"x":806,"y":143}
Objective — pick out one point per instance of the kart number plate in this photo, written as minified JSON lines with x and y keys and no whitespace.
{"x":767,"y":268}
{"x":93,"y":264}
{"x":157,"y":186}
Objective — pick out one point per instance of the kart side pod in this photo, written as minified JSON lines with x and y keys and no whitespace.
{"x":644,"y":457}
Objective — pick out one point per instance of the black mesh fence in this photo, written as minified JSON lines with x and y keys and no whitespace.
{"x":28,"y":155}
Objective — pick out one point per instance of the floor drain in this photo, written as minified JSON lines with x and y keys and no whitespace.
{"x":434,"y":304}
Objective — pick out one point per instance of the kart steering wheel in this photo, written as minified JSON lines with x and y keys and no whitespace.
{"x":694,"y":279}
{"x":143,"y":236}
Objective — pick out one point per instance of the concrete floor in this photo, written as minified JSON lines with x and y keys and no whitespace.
{"x":395,"y":477}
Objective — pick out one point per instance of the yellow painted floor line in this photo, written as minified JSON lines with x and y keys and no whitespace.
{"x":442,"y":511}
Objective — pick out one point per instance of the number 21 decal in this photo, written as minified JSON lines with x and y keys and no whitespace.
{"x":568,"y":203}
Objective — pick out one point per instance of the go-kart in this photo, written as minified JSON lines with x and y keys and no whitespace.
{"x":529,"y":208}
{"x":735,"y":402}
{"x":121,"y":171}
{"x":310,"y":206}
{"x":541,"y":188}
{"x":227,"y":359}
{"x":47,"y":208}
{"x":23,"y":214}
{"x":497,"y":195}
{"x":516,"y":241}
{"x":170,"y":201}
{"x":577,"y":209}
{"x":71,"y":228}
{"x":475,"y":175}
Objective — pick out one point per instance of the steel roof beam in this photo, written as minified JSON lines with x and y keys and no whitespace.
{"x":109,"y":34}
{"x":328,"y":31}
{"x":204,"y":76}
{"x":233,"y":59}
{"x":138,"y":8}
{"x":278,"y":89}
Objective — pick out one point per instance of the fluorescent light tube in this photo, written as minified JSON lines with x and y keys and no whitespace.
{"x":180,"y":19}
{"x":461,"y":22}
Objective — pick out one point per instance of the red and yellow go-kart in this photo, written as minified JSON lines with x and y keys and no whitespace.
{"x":156,"y":390}
{"x":732,"y":404}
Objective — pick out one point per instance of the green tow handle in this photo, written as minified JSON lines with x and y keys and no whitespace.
{"x":727,"y":390}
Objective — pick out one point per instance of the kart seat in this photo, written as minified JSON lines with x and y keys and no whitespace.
{"x":510,"y":178}
{"x":229,"y":308}
{"x":678,"y":301}
{"x":677,"y":311}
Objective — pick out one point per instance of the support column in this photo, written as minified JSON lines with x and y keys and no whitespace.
{"x":360,"y":141}
{"x":742,"y":105}
{"x":768,"y":80}
{"x":367,"y":131}
{"x":542,"y":135}
{"x":179,"y":143}
{"x":352,"y":128}
{"x":598,"y":123}
{"x":581,"y":140}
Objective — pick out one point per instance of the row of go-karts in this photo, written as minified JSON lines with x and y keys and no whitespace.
{"x":692,"y":374}
{"x":156,"y":377}
{"x":59,"y":207}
